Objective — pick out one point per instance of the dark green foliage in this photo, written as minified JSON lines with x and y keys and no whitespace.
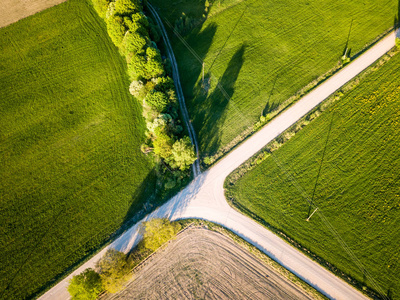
{"x":114,"y":270}
{"x":165,"y":84}
{"x":157,"y":100}
{"x":137,"y":22}
{"x":116,"y":29}
{"x":71,"y":168}
{"x":358,"y":186}
{"x":85,"y":286}
{"x":158,"y":232}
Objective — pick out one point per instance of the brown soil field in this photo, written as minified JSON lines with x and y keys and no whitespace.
{"x":203,"y":264}
{"x":13,"y":10}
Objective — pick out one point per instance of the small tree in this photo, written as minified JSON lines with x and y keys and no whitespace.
{"x":85,"y":286}
{"x":158,"y":232}
{"x":114,"y":270}
{"x":183,"y":154}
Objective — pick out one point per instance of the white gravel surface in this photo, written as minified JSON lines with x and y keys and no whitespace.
{"x":204,"y":197}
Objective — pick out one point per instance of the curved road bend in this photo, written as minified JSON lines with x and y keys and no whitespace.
{"x":179,"y":92}
{"x":204,"y":197}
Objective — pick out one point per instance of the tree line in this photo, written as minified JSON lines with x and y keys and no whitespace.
{"x":136,"y":35}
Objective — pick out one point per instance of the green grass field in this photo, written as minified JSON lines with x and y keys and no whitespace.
{"x":71,"y":168}
{"x":262,"y":52}
{"x":358,"y":190}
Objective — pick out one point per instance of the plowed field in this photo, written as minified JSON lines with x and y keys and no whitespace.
{"x":13,"y":10}
{"x":202,"y":264}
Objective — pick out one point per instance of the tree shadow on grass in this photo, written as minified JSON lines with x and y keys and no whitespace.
{"x":210,"y":118}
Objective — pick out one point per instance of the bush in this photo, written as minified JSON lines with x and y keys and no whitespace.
{"x":157,"y":100}
{"x":159,"y":231}
{"x":85,"y":286}
{"x":114,"y":270}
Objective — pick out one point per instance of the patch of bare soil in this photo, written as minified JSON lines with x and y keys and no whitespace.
{"x":13,"y":10}
{"x":202,"y":264}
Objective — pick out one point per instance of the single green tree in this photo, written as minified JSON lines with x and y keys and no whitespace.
{"x":183,"y":154}
{"x":133,"y":42}
{"x":158,"y":232}
{"x":85,"y":286}
{"x":101,"y":7}
{"x":114,"y":270}
{"x":154,"y":65}
{"x":162,"y":144}
{"x":157,"y":100}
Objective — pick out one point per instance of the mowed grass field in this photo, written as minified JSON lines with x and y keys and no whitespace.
{"x":261,"y":52}
{"x":358,"y":188}
{"x":70,"y":132}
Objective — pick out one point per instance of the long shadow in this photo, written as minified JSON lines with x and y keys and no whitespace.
{"x":212,"y":114}
{"x":396,"y":22}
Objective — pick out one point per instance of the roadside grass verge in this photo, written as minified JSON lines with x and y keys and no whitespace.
{"x":261,"y":53}
{"x":356,"y":190}
{"x":71,"y":167}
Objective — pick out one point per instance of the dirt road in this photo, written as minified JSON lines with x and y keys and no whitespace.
{"x":204,"y":197}
{"x":13,"y":10}
{"x":202,"y":264}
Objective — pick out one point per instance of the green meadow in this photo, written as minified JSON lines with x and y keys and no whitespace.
{"x":71,"y":168}
{"x":347,"y":161}
{"x":261,"y":52}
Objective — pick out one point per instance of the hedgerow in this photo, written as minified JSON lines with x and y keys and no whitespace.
{"x":129,"y":29}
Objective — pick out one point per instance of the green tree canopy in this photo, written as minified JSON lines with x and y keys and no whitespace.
{"x":183,"y":154}
{"x":114,"y":270}
{"x":127,"y":7}
{"x":158,"y":232}
{"x":154,"y":65}
{"x":116,"y":29}
{"x":134,"y":42}
{"x":157,"y":100}
{"x":85,"y":286}
{"x":162,"y":144}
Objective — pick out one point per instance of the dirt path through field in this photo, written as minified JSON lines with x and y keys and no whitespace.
{"x":203,"y":264}
{"x":13,"y":10}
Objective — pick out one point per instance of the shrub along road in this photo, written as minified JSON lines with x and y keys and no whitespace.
{"x":204,"y":197}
